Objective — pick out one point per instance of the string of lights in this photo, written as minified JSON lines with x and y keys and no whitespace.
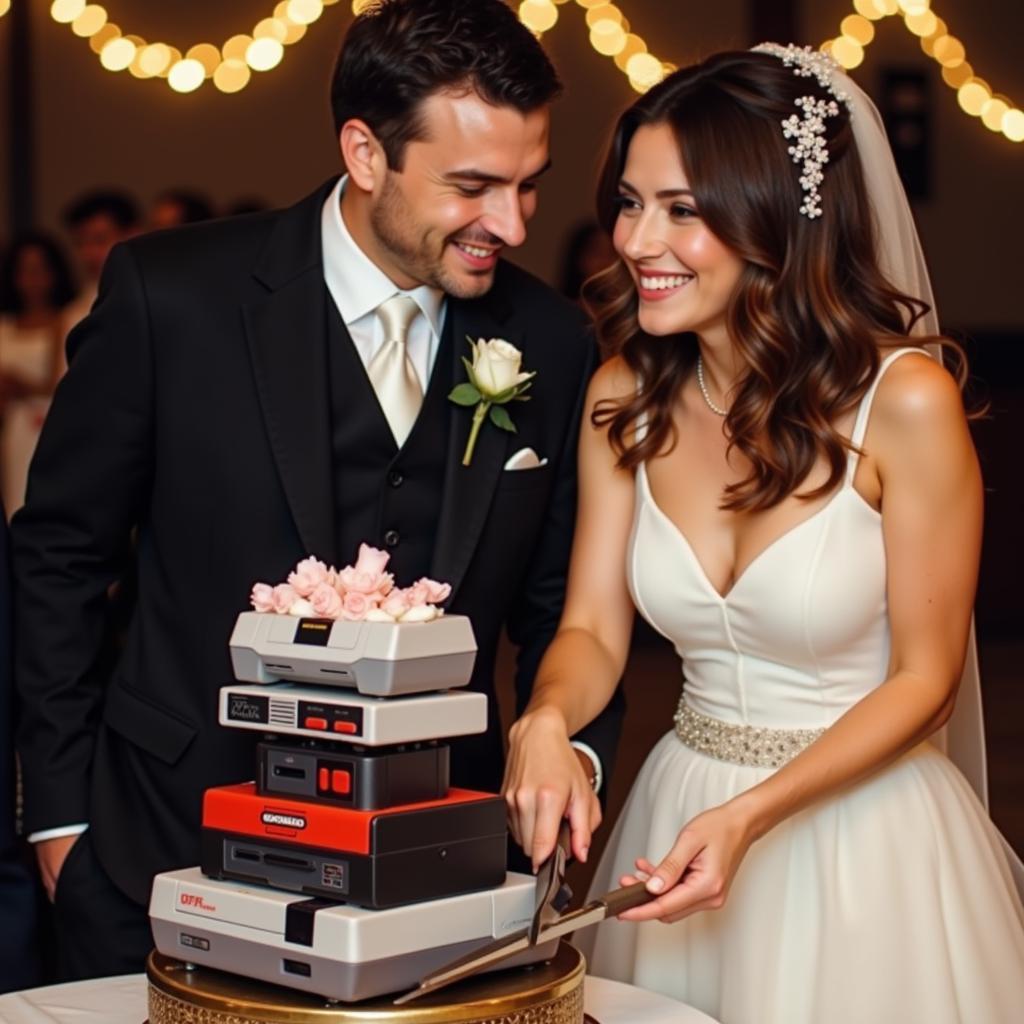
{"x":610,"y":36}
{"x":231,"y":65}
{"x":997,"y":112}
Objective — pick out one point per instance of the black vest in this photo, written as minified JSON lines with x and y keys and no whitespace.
{"x":387,"y":497}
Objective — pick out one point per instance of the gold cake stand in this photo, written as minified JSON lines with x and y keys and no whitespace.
{"x":550,"y":993}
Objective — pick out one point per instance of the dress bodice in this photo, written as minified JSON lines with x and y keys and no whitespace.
{"x":803,"y":633}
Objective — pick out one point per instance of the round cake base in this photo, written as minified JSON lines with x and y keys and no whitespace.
{"x":550,"y":993}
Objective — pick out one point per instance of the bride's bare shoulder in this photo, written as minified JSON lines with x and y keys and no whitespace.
{"x":918,"y":389}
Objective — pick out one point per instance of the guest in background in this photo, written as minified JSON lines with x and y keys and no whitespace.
{"x":35,"y":290}
{"x":96,"y":222}
{"x":18,"y":968}
{"x":588,"y":251}
{"x":177,"y":206}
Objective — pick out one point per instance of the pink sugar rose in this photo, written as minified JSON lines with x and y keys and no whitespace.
{"x":326,"y":601}
{"x":308,"y":575}
{"x":436,"y":592}
{"x":284,"y":597}
{"x":417,"y":595}
{"x":395,"y":604}
{"x":371,"y":560}
{"x":262,"y":597}
{"x":351,"y":581}
{"x":355,"y":606}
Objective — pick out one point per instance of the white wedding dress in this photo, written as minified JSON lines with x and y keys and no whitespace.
{"x":891,"y":903}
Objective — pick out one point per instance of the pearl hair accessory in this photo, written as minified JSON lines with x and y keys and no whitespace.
{"x":808,"y":127}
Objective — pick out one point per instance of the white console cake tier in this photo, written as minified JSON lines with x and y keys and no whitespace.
{"x":379,"y":659}
{"x":335,"y":951}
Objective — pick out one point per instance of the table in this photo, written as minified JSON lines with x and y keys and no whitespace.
{"x":123,"y":1001}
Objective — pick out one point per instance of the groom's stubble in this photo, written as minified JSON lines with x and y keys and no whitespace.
{"x":419,"y":249}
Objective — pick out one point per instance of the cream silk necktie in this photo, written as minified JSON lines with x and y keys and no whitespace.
{"x":391,"y":371}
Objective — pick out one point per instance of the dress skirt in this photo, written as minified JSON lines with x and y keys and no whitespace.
{"x":891,"y":902}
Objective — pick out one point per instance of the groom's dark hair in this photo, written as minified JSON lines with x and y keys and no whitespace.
{"x":399,"y":52}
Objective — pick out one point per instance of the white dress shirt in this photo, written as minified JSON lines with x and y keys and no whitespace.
{"x":358,"y":286}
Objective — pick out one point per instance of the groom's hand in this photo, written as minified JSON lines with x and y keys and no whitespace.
{"x":546,"y":780}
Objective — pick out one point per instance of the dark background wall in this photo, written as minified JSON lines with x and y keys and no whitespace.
{"x":275,"y":138}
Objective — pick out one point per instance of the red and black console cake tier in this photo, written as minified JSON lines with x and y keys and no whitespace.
{"x":372,"y":858}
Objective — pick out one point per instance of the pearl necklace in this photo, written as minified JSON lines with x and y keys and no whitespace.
{"x":717,"y":410}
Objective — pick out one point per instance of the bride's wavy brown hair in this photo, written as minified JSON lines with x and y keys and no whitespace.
{"x":811,"y":304}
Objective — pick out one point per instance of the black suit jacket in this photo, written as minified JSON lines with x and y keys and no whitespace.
{"x":196,"y":410}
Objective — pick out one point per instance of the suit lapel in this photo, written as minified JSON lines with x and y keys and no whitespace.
{"x":287,"y":336}
{"x":469,"y":490}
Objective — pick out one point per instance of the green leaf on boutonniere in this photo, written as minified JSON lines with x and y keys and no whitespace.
{"x":495,"y":364}
{"x":501,"y":418}
{"x":464,"y":394}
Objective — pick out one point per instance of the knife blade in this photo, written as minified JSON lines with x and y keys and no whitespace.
{"x":549,"y":882}
{"x":615,"y":902}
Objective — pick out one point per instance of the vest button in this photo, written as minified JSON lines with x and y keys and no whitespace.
{"x":395,"y":478}
{"x":391,"y":538}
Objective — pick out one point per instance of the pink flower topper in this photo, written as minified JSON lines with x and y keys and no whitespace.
{"x":356,"y":593}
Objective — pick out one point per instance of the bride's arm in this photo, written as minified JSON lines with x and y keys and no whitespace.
{"x":931,"y":521}
{"x":583,"y":664}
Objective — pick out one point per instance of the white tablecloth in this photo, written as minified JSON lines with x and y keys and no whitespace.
{"x":123,"y":1001}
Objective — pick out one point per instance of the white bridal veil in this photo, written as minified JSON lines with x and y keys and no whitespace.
{"x":902,"y":261}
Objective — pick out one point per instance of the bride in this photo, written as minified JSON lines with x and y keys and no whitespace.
{"x":784,"y":485}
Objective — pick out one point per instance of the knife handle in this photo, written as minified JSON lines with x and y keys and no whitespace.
{"x":626,"y":898}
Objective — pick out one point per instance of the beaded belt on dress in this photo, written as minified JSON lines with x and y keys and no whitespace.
{"x":740,"y":744}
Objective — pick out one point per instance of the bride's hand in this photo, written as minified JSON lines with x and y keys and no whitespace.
{"x":698,"y":870}
{"x":544,"y":782}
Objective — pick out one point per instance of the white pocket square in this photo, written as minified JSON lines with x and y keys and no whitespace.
{"x":525,"y":458}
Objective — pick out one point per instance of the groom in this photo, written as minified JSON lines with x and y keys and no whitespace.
{"x":251,"y":391}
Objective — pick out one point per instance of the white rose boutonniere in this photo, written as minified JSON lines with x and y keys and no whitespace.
{"x":495,"y":379}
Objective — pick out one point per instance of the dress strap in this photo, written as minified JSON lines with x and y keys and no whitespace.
{"x":860,"y":425}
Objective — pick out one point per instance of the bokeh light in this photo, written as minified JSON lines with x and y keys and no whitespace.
{"x":207,"y":54}
{"x":264,"y":54}
{"x":155,"y":58}
{"x":848,"y":52}
{"x":65,"y":11}
{"x":186,"y":75}
{"x":972,"y":97}
{"x":304,"y":12}
{"x":89,"y":22}
{"x":232,"y":76}
{"x":538,"y":15}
